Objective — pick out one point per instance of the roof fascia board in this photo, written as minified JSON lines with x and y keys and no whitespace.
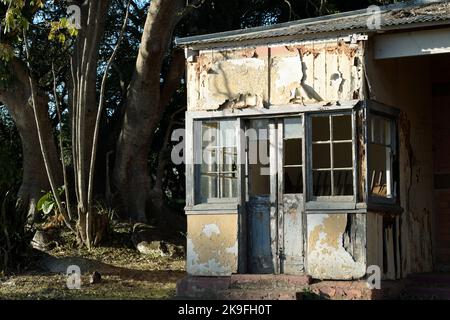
{"x":221,"y":36}
{"x":280,"y":40}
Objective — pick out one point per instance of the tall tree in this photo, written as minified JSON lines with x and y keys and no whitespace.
{"x":145,"y":104}
{"x":16,"y":95}
{"x":138,"y":89}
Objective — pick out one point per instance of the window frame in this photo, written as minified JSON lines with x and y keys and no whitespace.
{"x":376,"y":109}
{"x":248,"y":176}
{"x":282,"y":164}
{"x":333,"y":201}
{"x":198,"y":161}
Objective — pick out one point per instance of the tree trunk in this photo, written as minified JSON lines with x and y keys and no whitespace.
{"x":17,"y":98}
{"x":84,"y":106}
{"x":143,"y":108}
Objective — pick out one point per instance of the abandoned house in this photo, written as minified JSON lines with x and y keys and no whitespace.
{"x":352,"y":120}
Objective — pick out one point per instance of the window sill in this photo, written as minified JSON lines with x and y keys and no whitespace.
{"x":332,"y":206}
{"x":212,"y":208}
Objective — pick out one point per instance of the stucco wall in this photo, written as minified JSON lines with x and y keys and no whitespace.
{"x":287,"y":74}
{"x":212,"y":244}
{"x":336,"y":246}
{"x":406,"y":84}
{"x":313,"y":73}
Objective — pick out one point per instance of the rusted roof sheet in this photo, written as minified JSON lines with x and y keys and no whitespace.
{"x":392,"y":17}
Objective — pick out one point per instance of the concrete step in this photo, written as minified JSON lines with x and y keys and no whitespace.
{"x":282,"y":287}
{"x":255,"y":294}
{"x":270,"y":281}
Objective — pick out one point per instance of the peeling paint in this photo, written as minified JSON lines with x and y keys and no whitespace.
{"x":212,"y":245}
{"x":328,"y":257}
{"x":262,"y":76}
{"x":210,"y":229}
{"x":233,"y":249}
{"x":288,"y":77}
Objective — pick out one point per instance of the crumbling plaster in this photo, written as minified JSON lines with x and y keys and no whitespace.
{"x":212,"y":245}
{"x":330,"y":253}
{"x":405,"y":83}
{"x":277,"y":75}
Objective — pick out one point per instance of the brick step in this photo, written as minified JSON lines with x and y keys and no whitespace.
{"x":340,"y":290}
{"x":282,"y":287}
{"x":254,"y":294}
{"x":269,"y":282}
{"x":426,"y":293}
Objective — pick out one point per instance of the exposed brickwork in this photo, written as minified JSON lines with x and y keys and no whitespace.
{"x":201,"y":287}
{"x":282,"y":287}
{"x":269,"y":281}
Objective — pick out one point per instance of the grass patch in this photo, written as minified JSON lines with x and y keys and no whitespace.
{"x":126,"y":274}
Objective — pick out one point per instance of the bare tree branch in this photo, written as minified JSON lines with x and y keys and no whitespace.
{"x":100,"y":110}
{"x":58,"y":111}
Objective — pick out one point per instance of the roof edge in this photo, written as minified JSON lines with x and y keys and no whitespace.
{"x":222,"y":36}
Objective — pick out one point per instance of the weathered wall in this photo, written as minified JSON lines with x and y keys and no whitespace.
{"x":336,"y":246}
{"x":383,"y":244}
{"x":405,"y":84}
{"x":212,"y":244}
{"x":440,"y":68}
{"x":262,"y":76}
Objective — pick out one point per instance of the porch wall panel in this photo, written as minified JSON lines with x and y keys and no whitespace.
{"x":212,"y":244}
{"x":405,"y":84}
{"x":263,"y":76}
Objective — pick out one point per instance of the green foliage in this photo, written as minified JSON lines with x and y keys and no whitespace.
{"x":6,"y":54}
{"x":14,"y":19}
{"x":14,"y":238}
{"x":47,"y":203}
{"x":62,"y":30}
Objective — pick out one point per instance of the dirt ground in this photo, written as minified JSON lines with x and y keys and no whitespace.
{"x":125,"y":273}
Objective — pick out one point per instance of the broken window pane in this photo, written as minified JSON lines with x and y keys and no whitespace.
{"x":293,"y":180}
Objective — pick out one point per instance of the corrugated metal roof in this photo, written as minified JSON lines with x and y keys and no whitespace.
{"x":392,"y":17}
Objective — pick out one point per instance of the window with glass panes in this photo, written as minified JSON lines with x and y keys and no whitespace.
{"x":332,"y":166}
{"x":218,"y":174}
